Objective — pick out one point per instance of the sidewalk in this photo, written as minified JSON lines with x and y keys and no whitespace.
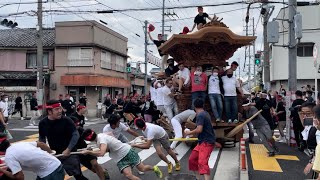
{"x":228,"y":165}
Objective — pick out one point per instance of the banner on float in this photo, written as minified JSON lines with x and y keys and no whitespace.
{"x":153,"y":60}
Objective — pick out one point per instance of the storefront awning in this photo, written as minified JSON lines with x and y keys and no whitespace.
{"x":94,"y":80}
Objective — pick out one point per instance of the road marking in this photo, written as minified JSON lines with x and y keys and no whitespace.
{"x":30,"y":138}
{"x":181,"y":149}
{"x":104,"y":159}
{"x":144,"y":154}
{"x":32,"y":127}
{"x":261,"y":161}
{"x":22,"y":129}
{"x":213,"y":157}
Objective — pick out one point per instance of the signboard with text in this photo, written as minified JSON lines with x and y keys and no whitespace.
{"x":315,"y":54}
{"x":154,"y":60}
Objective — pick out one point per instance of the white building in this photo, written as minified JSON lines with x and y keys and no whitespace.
{"x":305,"y":60}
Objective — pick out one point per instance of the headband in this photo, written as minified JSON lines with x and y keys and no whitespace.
{"x":136,"y":119}
{"x":88,"y":138}
{"x":81,"y":107}
{"x":2,"y":139}
{"x":52,"y":106}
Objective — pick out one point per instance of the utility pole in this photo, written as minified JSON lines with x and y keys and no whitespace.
{"x":249,"y":55}
{"x":40,"y":91}
{"x":245,"y":51}
{"x":266,"y":62}
{"x":145,"y":55}
{"x":254,"y":51}
{"x":163,"y":5}
{"x":239,"y":67}
{"x":292,"y":79}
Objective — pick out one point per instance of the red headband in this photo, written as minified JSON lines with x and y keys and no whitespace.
{"x":2,"y":139}
{"x":81,"y":107}
{"x":88,"y":138}
{"x":136,"y":119}
{"x":53,"y":106}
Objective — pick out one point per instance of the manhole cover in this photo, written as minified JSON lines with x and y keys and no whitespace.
{"x":181,"y":177}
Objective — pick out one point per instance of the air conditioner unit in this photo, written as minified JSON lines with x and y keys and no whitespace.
{"x":53,"y":86}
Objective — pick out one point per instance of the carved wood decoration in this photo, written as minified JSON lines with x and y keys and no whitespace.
{"x":213,"y":44}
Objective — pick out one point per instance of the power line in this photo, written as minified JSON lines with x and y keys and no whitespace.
{"x":151,"y":4}
{"x":222,"y":12}
{"x":85,"y":5}
{"x":120,"y":12}
{"x":181,"y":7}
{"x":98,"y":18}
{"x":15,"y":3}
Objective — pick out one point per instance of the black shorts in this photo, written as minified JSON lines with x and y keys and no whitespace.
{"x":85,"y":160}
{"x":71,"y":165}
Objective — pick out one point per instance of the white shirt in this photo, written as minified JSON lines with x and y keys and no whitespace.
{"x":185,"y":74}
{"x":230,"y":85}
{"x":99,"y":105}
{"x":153,"y":93}
{"x":153,"y":131}
{"x":159,"y":98}
{"x":117,"y":149}
{"x":4,"y":107}
{"x":318,"y":136}
{"x":167,"y":100}
{"x":117,"y":131}
{"x":183,"y":116}
{"x":27,"y":156}
{"x":214,"y":87}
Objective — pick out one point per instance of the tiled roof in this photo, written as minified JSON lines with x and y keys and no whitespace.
{"x":18,"y":75}
{"x":21,"y":38}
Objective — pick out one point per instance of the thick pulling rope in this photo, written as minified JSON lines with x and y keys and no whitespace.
{"x":184,"y":139}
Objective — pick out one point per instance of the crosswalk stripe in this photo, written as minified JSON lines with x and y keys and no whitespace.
{"x":181,"y":149}
{"x":104,"y":159}
{"x":213,"y":157}
{"x":144,"y":154}
{"x":22,"y":129}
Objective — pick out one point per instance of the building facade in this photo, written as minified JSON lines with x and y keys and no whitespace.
{"x":305,"y":61}
{"x":79,"y":57}
{"x":18,"y":65}
{"x":89,"y":58}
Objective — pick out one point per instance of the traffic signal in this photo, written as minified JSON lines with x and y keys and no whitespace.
{"x":257,"y":60}
{"x":128,"y":68}
{"x":7,"y":23}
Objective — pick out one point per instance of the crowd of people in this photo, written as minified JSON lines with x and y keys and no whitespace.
{"x":62,"y":133}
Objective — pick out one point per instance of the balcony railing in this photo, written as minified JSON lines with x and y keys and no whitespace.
{"x":80,"y":62}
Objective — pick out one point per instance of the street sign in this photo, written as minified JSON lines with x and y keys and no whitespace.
{"x":315,"y":55}
{"x":153,"y":60}
{"x":315,"y":51}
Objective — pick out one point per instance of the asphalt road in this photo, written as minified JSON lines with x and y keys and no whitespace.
{"x":288,"y":165}
{"x":21,"y":131}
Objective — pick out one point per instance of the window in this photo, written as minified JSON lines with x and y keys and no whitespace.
{"x":305,"y":49}
{"x":120,"y":64}
{"x":105,"y":60}
{"x":80,"y":57}
{"x":32,"y":60}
